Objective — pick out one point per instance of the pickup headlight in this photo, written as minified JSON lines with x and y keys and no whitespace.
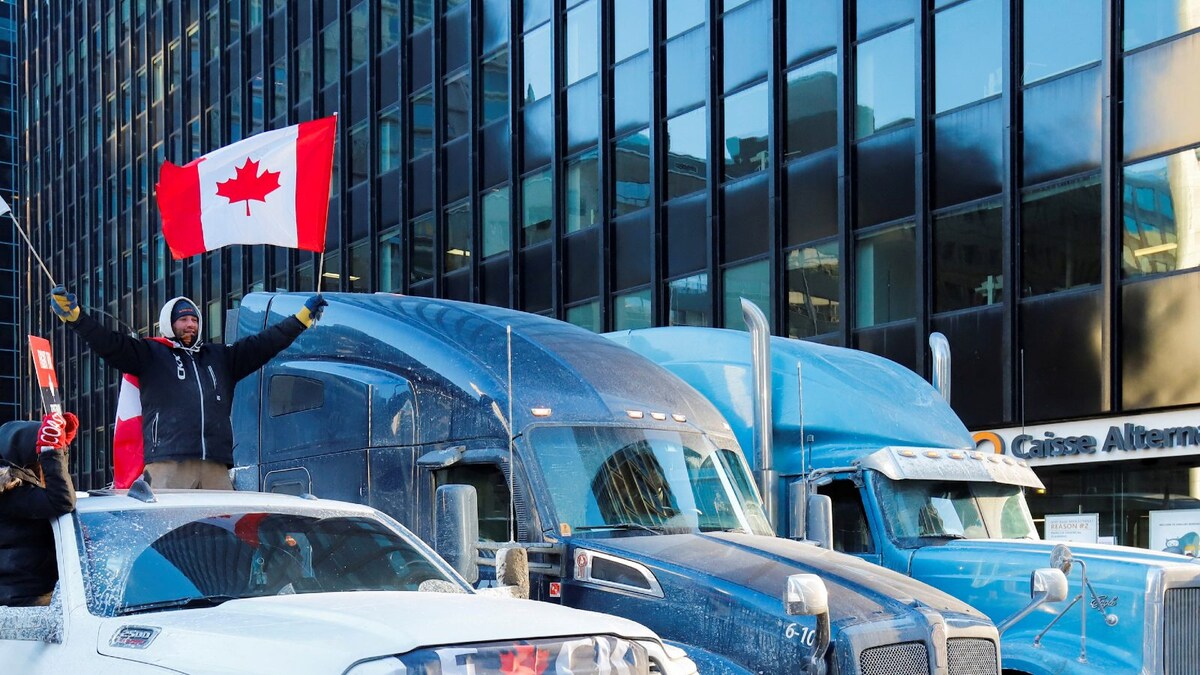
{"x":549,"y":656}
{"x":668,"y":659}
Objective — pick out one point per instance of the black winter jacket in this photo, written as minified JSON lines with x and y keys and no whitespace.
{"x":28,"y":566}
{"x":187,"y":397}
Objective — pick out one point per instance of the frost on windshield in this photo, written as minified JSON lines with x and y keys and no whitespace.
{"x":149,"y":559}
{"x":921,"y":509}
{"x":33,"y":623}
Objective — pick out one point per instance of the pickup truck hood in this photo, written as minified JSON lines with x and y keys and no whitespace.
{"x":858,"y":591}
{"x":994,"y":574}
{"x":328,"y":632}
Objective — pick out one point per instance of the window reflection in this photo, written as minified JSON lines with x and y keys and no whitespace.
{"x":1161,"y":217}
{"x":582,"y":197}
{"x":495,"y":221}
{"x":1046,"y":52}
{"x":812,"y":103}
{"x":687,"y":153}
{"x":812,"y":27}
{"x":1161,"y":98}
{"x":1062,"y":127}
{"x":1147,"y":21}
{"x":684,"y":14}
{"x":968,"y":53}
{"x":813,"y":290}
{"x":746,"y":132}
{"x":1060,"y":237}
{"x":968,"y":268}
{"x":458,"y":236}
{"x":421,"y":254}
{"x":582,"y":33}
{"x":391,"y":261}
{"x":458,"y":106}
{"x":631,"y":173}
{"x":586,"y":316}
{"x":538,"y":67}
{"x":632,"y":310}
{"x":746,"y":44}
{"x":688,"y":301}
{"x":750,"y":281}
{"x":495,"y":87}
{"x":887,"y":276}
{"x":875,"y":15}
{"x":886,"y":82}
{"x":420,"y":13}
{"x":633,"y":16}
{"x":360,"y":152}
{"x":421,"y":120}
{"x":537,"y":207}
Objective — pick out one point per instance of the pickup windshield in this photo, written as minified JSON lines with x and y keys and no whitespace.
{"x":143,"y":560}
{"x":642,"y":481}
{"x":923,"y":509}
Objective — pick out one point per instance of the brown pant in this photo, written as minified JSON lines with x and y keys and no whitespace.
{"x":188,"y":474}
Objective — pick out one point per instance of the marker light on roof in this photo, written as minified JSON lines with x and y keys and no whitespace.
{"x":1009,"y":461}
{"x":932,"y":454}
{"x":540,"y":412}
{"x":977,"y":455}
{"x":679,"y":418}
{"x":994,"y":459}
{"x":635,"y":414}
{"x":956,"y":455}
{"x":907,"y":453}
{"x":659,"y":416}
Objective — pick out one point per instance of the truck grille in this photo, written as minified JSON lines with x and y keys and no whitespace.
{"x":1181,"y":631}
{"x":971,"y":656}
{"x":906,"y":658}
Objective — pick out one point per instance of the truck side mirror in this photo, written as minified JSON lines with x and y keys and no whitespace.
{"x":1047,"y":584}
{"x":456,"y":528}
{"x":806,"y":595}
{"x":819,"y":520}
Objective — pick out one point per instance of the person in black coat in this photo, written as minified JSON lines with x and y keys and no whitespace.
{"x":35,"y":488}
{"x":186,"y":385}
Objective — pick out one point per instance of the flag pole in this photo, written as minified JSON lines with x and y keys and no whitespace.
{"x":32,"y":249}
{"x":320,"y":271}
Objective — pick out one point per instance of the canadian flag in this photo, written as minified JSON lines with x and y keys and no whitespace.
{"x":128,"y":457}
{"x":271,"y":188}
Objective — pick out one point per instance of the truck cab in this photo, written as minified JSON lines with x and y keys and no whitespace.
{"x":911,"y":493}
{"x":626,"y":488}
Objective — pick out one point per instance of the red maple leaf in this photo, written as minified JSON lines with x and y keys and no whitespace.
{"x":525,"y":660}
{"x":248,"y":184}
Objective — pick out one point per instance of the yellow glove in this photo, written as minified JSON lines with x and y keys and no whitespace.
{"x":64,"y":304}
{"x":312,"y":309}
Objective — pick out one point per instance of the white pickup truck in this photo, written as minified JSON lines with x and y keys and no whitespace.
{"x":237,"y":582}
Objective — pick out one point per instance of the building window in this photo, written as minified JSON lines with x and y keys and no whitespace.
{"x":632,"y":310}
{"x":688,"y":301}
{"x":360,"y":152}
{"x":389,"y":24}
{"x":420,"y":13}
{"x":750,"y":281}
{"x":331,"y":67}
{"x":538,"y":77}
{"x":968,"y":269}
{"x":304,"y":70}
{"x":582,"y":195}
{"x":389,"y":139}
{"x":458,"y":106}
{"x":812,"y":103}
{"x":813,"y":290}
{"x":1060,"y":237}
{"x":458,"y":236}
{"x":360,"y":268}
{"x":1148,"y":21}
{"x":631,"y":173}
{"x":421,"y":253}
{"x":684,"y":15}
{"x":582,"y":32}
{"x":887,"y":276}
{"x":360,"y":35}
{"x":279,"y":88}
{"x":586,"y":315}
{"x":495,"y":88}
{"x":1157,"y":219}
{"x":537,"y":207}
{"x":687,"y":153}
{"x":496,"y":231}
{"x":391,"y":261}
{"x":633,"y":16}
{"x":746,"y":132}
{"x":421,"y":120}
{"x":1046,"y":52}
{"x":886,"y":82}
{"x":968,"y":53}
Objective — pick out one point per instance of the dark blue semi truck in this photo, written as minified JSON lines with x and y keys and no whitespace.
{"x":629,"y":491}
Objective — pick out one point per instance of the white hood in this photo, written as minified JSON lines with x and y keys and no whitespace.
{"x":328,"y":632}
{"x":166,"y":330}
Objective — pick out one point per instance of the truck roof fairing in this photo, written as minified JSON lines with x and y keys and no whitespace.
{"x":463,"y":348}
{"x":952,"y":465}
{"x":853,"y":400}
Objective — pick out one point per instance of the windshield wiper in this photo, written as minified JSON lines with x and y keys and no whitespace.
{"x":177,"y":603}
{"x":619,"y":526}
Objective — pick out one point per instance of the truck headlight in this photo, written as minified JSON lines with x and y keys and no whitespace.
{"x":599,"y":653}
{"x":668,"y":659}
{"x":385,"y":666}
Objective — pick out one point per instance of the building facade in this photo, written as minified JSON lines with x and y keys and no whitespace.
{"x":868,"y":171}
{"x":12,"y":368}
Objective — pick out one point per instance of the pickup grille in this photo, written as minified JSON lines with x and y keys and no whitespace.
{"x":971,"y":656}
{"x":906,"y":658}
{"x":1181,"y":631}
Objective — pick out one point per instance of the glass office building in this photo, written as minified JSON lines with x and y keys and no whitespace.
{"x":12,"y":368}
{"x":868,"y":171}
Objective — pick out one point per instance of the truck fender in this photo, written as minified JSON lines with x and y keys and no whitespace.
{"x":708,"y":662}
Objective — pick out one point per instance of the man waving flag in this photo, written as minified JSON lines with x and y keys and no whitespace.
{"x":271,"y":188}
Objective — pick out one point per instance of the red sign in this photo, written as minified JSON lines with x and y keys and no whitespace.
{"x":555,"y":589}
{"x":43,"y":366}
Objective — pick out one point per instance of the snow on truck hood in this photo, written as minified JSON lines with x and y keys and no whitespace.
{"x":328,"y":632}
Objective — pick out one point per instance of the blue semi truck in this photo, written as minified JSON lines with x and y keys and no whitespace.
{"x":911,"y":493}
{"x":628,"y":491}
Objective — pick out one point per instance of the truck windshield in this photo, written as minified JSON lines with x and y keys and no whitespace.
{"x":605,"y":479}
{"x":920,"y":509}
{"x":152,"y":559}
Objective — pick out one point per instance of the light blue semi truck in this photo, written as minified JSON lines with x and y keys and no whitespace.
{"x":911,"y":493}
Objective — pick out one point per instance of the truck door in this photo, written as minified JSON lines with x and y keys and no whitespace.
{"x":851,"y":525}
